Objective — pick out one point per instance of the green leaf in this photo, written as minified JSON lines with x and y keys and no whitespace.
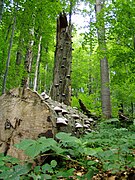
{"x":11,"y":159}
{"x":67,"y":138}
{"x":132,"y":164}
{"x":4,"y":168}
{"x":58,"y":150}
{"x":91,"y":163}
{"x":47,"y":168}
{"x":16,"y":172}
{"x":89,"y":174}
{"x":2,"y":163}
{"x":66,"y":174}
{"x":33,"y":150}
{"x":53,"y":163}
{"x":20,"y":170}
{"x":63,"y":136}
{"x":24,"y":144}
{"x":6,"y":174}
{"x":92,"y":151}
{"x":37,"y":169}
{"x":46,"y":144}
{"x":34,"y":176}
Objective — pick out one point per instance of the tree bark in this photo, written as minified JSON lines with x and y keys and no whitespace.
{"x":37,"y":64}
{"x":28,"y":62}
{"x":8,"y":58}
{"x":27,"y":115}
{"x":104,"y":71}
{"x":1,"y":9}
{"x":19,"y":50}
{"x":61,"y":88}
{"x":90,"y":78}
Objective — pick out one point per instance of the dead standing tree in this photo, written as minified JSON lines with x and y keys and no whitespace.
{"x":61,"y":88}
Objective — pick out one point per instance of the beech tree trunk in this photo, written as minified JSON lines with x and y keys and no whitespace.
{"x":28,"y":62}
{"x":104,"y":71}
{"x":19,"y":51}
{"x":8,"y":58}
{"x":61,"y":88}
{"x":37,"y":64}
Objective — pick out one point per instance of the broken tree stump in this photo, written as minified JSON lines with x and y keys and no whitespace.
{"x":61,"y":87}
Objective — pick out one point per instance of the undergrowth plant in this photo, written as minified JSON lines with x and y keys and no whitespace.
{"x":107,"y":149}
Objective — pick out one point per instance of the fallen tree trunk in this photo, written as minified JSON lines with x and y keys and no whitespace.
{"x":25,"y":114}
{"x":87,"y":111}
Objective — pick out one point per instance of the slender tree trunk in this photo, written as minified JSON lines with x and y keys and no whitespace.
{"x":61,"y":88}
{"x":8,"y":58}
{"x":28,"y":62}
{"x":105,"y":90}
{"x":70,"y":14}
{"x":37,"y":65}
{"x":19,"y":51}
{"x":1,"y":9}
{"x":90,"y":78}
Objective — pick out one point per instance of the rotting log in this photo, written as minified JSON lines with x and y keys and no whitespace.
{"x":25,"y":114}
{"x":87,"y":111}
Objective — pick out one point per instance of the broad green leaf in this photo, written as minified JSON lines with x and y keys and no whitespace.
{"x":63,"y":136}
{"x":33,"y":150}
{"x":66,"y":137}
{"x":24,"y":144}
{"x":92,"y":151}
{"x":58,"y":149}
{"x":47,"y":142}
{"x":22,"y":169}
